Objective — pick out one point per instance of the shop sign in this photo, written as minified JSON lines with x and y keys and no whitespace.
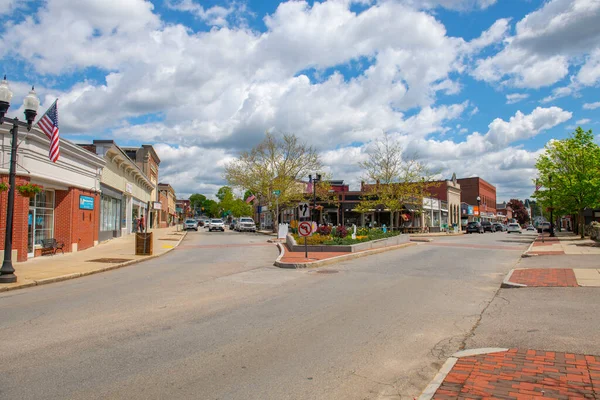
{"x":86,"y":202}
{"x":129,"y":187}
{"x":475,"y":210}
{"x":470,"y":210}
{"x":157,"y":205}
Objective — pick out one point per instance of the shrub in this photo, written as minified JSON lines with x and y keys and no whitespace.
{"x":341,"y":232}
{"x":324,"y":230}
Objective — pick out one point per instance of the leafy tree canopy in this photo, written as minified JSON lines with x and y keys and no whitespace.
{"x":569,"y":172}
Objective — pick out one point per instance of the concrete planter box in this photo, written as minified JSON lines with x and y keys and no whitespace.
{"x":373,"y":244}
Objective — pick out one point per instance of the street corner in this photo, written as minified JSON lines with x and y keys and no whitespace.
{"x":516,"y":373}
{"x":552,"y":277}
{"x":544,"y":245}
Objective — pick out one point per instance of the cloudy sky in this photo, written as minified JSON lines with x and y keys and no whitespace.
{"x":475,"y":87}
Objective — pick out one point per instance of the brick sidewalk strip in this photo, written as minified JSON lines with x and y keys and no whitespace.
{"x":523,"y":374}
{"x":545,"y":277}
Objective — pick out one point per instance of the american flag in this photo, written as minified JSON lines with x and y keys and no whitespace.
{"x":537,"y":185}
{"x":49,"y":125}
{"x":250,"y":198}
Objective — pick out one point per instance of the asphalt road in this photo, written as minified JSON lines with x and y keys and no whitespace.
{"x":214,"y":320}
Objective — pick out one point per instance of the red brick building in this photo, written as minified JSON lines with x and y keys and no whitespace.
{"x":473,"y":187}
{"x":67,"y":209}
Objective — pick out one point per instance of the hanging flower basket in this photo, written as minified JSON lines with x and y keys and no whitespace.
{"x":3,"y":187}
{"x":29,"y":190}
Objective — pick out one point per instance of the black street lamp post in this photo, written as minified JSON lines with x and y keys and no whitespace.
{"x":31,"y":104}
{"x":479,"y":207}
{"x":551,"y":208}
{"x":314,"y":183}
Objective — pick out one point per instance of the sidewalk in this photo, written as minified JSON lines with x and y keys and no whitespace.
{"x":563,"y":243}
{"x":112,"y":254}
{"x":516,"y":374}
{"x":552,"y":277}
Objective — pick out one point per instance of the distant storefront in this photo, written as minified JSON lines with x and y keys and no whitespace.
{"x":125,"y":191}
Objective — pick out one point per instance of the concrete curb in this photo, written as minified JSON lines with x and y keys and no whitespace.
{"x":91,"y":272}
{"x":333,"y":260}
{"x":421,"y":239}
{"x":437,"y":381}
{"x":526,"y":252}
{"x":507,"y":284}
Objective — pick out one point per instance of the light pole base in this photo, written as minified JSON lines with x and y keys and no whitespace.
{"x":8,"y":278}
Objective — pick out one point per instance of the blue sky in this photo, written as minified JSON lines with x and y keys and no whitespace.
{"x":475,"y":87}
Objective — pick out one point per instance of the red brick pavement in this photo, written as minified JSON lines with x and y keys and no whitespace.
{"x":545,"y":277}
{"x":523,"y":374}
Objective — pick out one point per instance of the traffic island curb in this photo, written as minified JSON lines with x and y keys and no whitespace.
{"x":333,"y":260}
{"x":526,"y":252}
{"x":437,"y":381}
{"x":75,"y":275}
{"x":507,"y":284}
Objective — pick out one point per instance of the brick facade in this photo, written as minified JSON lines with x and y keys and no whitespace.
{"x":21,"y":210}
{"x":77,"y":229}
{"x":473,"y":187}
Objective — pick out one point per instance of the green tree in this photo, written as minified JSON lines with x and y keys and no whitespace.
{"x":569,"y":172}
{"x":394,"y":180}
{"x":277,"y":163}
{"x":240,"y":208}
{"x":197,"y":201}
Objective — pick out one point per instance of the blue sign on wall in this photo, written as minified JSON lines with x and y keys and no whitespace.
{"x":86,"y":202}
{"x":471,"y":210}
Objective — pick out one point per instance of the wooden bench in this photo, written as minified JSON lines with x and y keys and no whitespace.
{"x":50,"y":246}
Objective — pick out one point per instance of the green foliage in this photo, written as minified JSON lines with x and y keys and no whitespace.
{"x":569,"y":171}
{"x":277,"y":163}
{"x":336,"y":238}
{"x":393,"y":180}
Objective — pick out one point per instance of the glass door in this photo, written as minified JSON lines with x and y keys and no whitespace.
{"x":30,"y":247}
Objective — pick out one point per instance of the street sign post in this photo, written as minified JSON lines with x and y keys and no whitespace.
{"x":303,"y":210}
{"x":277,"y":192}
{"x":305,"y":229}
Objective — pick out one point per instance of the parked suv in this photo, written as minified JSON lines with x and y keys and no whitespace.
{"x":216,"y":225}
{"x":487,"y":226}
{"x":474,"y":226}
{"x":499,"y":228}
{"x":246,"y":224}
{"x":543,"y":227}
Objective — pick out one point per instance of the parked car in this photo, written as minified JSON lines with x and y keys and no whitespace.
{"x":206,"y":223}
{"x":499,"y":228}
{"x":233,"y":225}
{"x":246,"y":224}
{"x":543,"y":227}
{"x":531,"y":228}
{"x":487,"y":226}
{"x":514,"y":228}
{"x":474,"y":227}
{"x":216,"y":225}
{"x":190,"y":224}
{"x":200,"y":222}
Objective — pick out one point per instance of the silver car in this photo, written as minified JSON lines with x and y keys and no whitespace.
{"x":216,"y":225}
{"x":516,"y":228}
{"x":190,"y":224}
{"x":245,"y":224}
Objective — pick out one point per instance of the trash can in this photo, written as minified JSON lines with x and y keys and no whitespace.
{"x":143,"y":244}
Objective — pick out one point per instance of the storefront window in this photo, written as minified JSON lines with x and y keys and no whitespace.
{"x":111,"y":213}
{"x":124,"y":213}
{"x":40,"y":218}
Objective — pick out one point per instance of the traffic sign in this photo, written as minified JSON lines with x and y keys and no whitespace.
{"x":277,"y":192}
{"x":303,"y":210}
{"x":305,"y":229}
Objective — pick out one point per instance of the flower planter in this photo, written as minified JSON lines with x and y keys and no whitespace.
{"x":29,"y":190}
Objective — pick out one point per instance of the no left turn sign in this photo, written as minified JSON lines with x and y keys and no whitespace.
{"x":304,"y":229}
